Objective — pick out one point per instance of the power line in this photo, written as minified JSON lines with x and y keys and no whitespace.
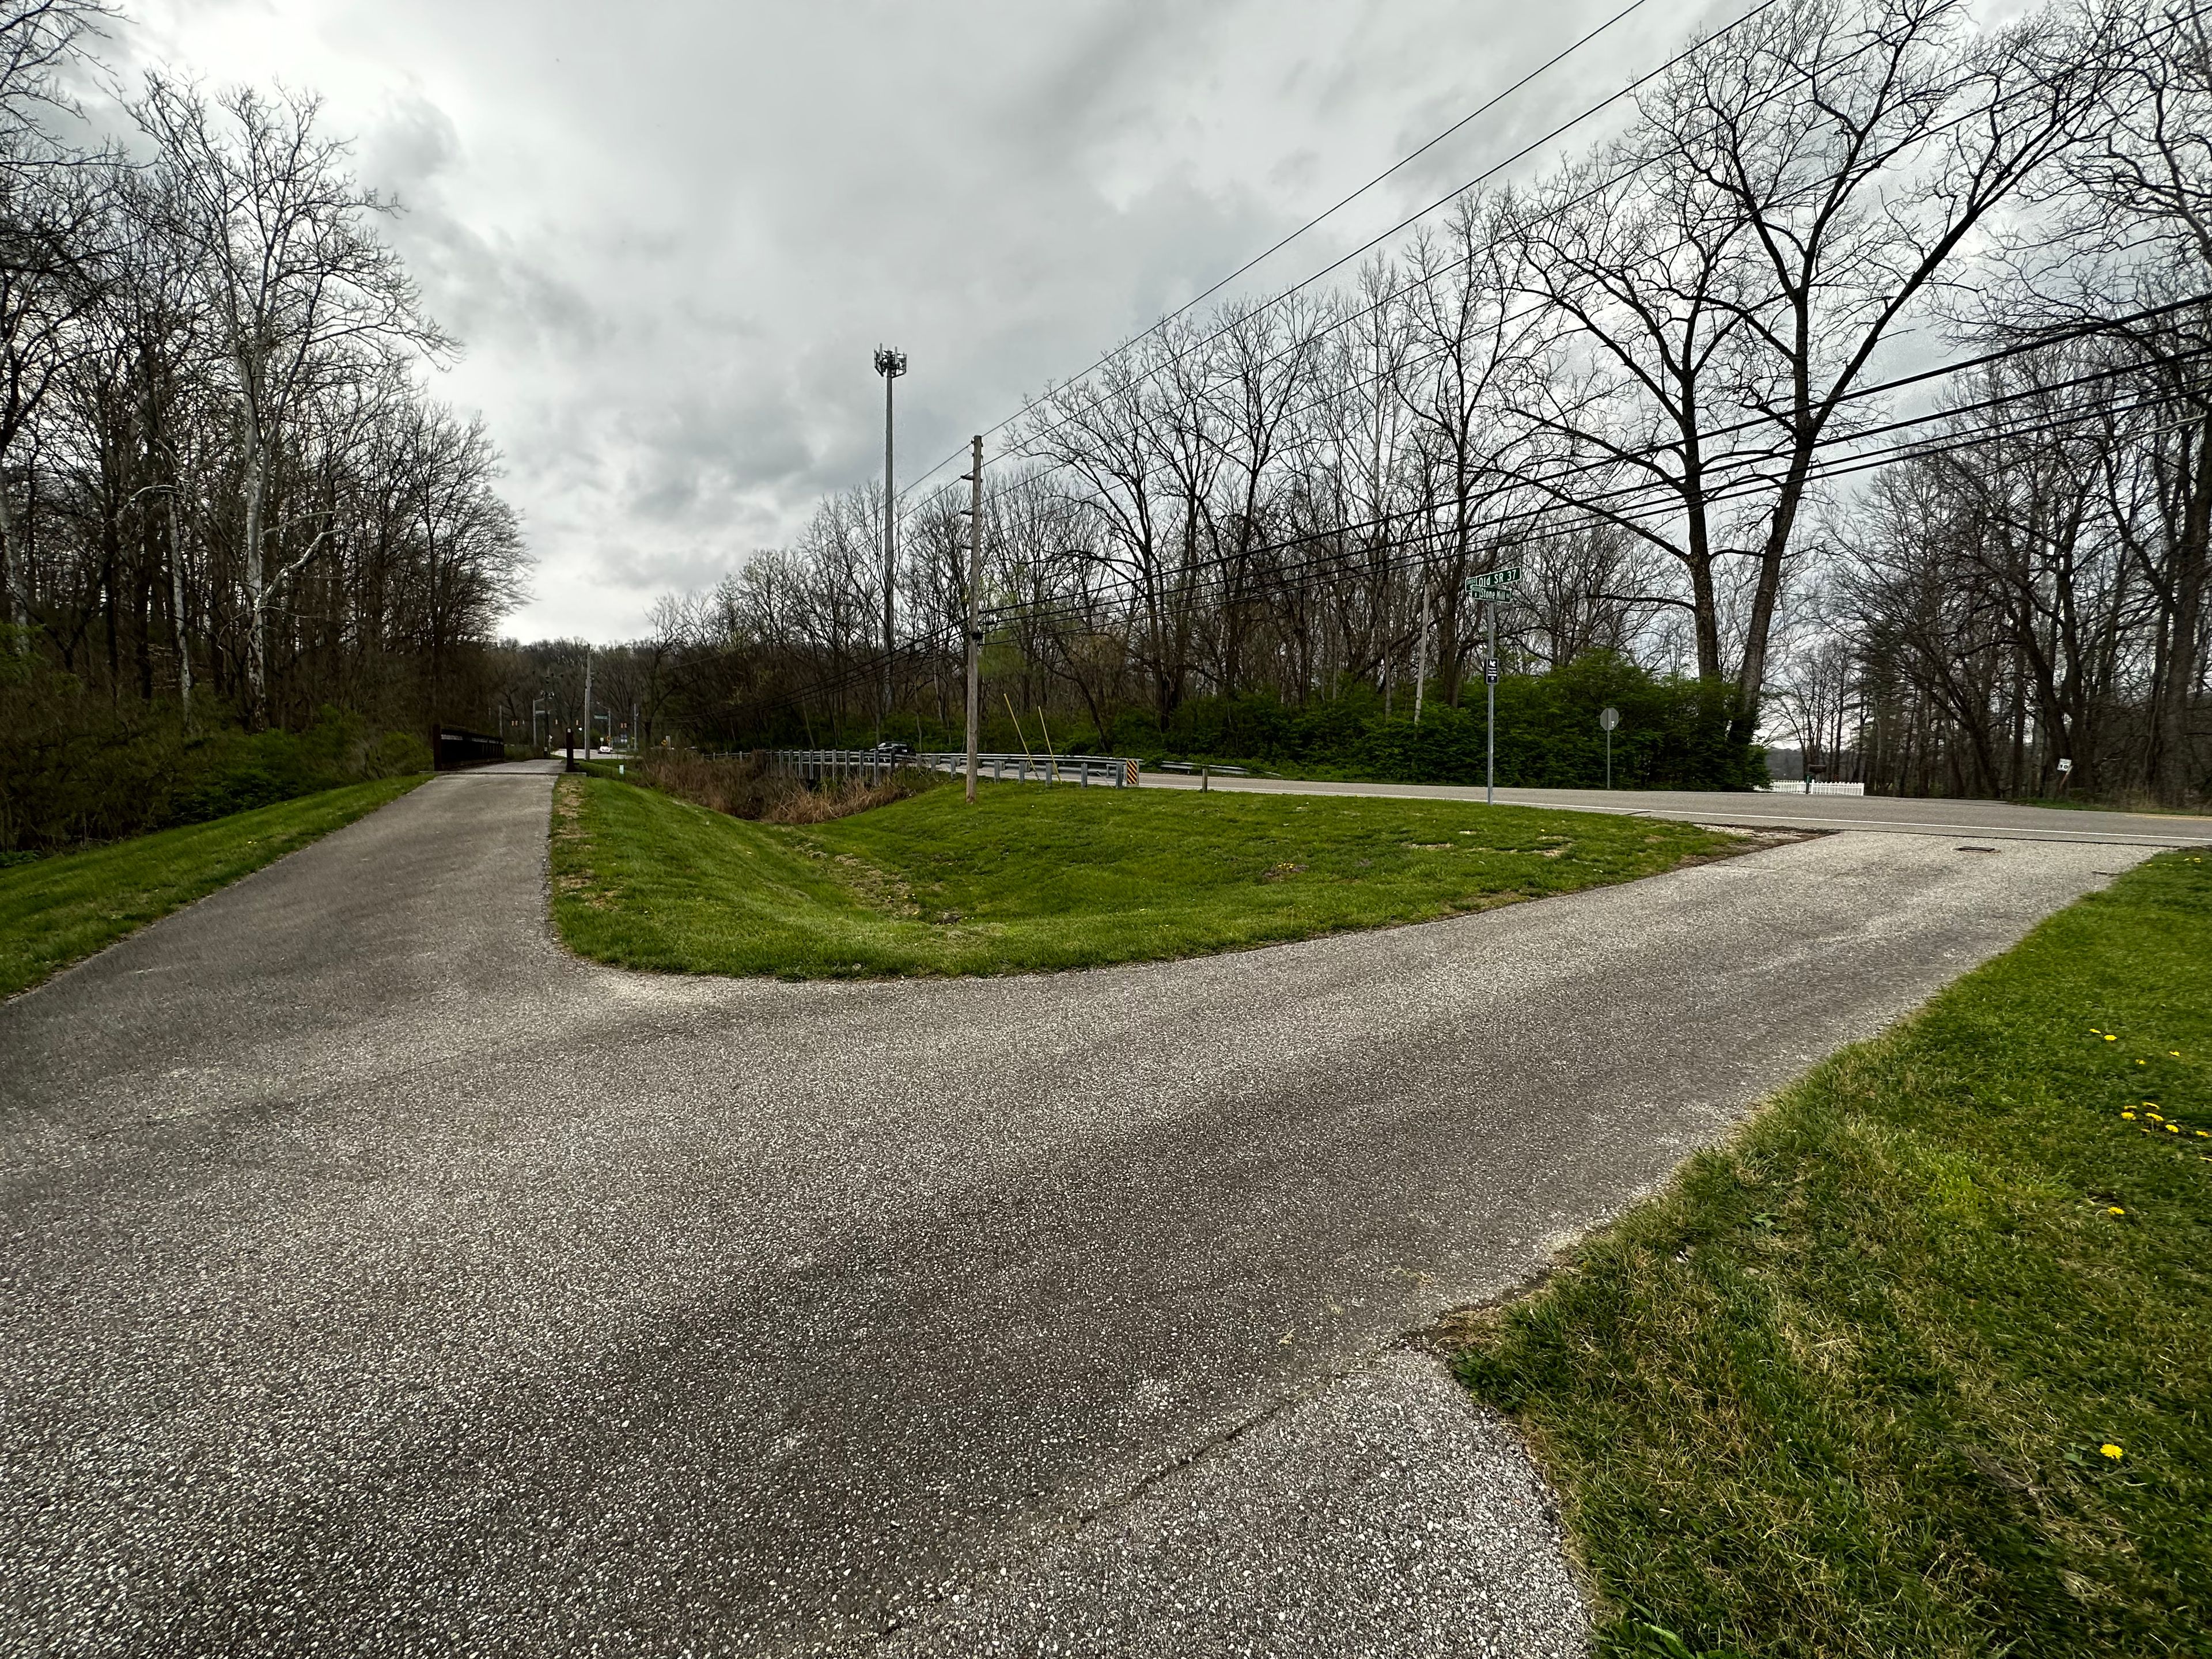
{"x":1843,"y":466}
{"x":1403,"y":161}
{"x":1316,"y":567}
{"x":1539,"y":304}
{"x":1306,"y":342}
{"x":1483,"y":177}
{"x":1652,"y":453}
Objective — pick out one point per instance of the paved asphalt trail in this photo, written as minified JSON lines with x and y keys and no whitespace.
{"x":378,"y":1279}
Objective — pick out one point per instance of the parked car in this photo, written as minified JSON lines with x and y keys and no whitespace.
{"x":892,"y":748}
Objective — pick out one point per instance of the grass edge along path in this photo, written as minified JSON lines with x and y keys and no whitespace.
{"x":1037,"y":878}
{"x":1920,"y":1362}
{"x":57,"y":910}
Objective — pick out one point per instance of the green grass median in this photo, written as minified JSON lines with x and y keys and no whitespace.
{"x":1920,"y":1363}
{"x":56,"y":910}
{"x":1035,"y":878}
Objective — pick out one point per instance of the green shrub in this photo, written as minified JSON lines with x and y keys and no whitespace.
{"x":82,"y":769}
{"x":1674,"y":733}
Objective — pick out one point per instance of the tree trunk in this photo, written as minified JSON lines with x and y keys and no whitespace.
{"x":178,"y":612}
{"x":257,"y":659}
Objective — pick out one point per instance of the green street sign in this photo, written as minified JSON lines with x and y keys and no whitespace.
{"x":1491,"y":583}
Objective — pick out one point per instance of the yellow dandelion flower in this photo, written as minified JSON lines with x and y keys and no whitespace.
{"x":2112,"y":1451}
{"x":2130,"y":1116}
{"x":2172,"y":1130}
{"x":2111,"y":1039}
{"x":2114,"y":1209}
{"x":2154,"y":1117}
{"x":2175,"y":1053}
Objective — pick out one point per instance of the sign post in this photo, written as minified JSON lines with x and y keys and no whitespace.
{"x":1608,"y":719}
{"x":1491,"y":588}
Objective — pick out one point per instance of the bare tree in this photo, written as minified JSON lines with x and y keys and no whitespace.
{"x":298,"y":289}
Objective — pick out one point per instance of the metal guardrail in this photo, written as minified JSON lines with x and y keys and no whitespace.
{"x":873,"y":766}
{"x":1813,"y":787}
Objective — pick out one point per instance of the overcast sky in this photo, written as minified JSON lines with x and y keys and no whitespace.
{"x":672,"y":234}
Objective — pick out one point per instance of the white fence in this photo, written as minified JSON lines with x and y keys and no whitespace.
{"x":872,"y":766}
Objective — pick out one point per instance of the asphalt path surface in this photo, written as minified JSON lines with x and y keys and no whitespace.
{"x":1780,"y":808}
{"x":377,"y":1278}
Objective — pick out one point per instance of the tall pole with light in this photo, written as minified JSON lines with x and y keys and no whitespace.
{"x":975,"y":604}
{"x":891,"y":365}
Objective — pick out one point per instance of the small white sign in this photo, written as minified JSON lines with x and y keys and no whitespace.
{"x":1609,"y":719}
{"x":2065,"y":765}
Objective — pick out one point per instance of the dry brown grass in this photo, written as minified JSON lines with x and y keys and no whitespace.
{"x":799,"y":805}
{"x":741,"y":787}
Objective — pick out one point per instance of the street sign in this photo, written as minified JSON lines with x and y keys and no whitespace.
{"x":1610,"y":719}
{"x":1494,"y":584}
{"x":2065,"y":765}
{"x":1490,"y":671}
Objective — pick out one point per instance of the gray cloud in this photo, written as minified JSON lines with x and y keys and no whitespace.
{"x":671,"y":236}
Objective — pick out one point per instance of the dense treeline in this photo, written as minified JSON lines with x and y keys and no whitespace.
{"x":225,"y":498}
{"x":1859,"y":383}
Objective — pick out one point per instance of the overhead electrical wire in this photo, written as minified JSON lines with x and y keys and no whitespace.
{"x":1487,"y":173}
{"x":1280,"y":579}
{"x":1720,"y":493}
{"x":1623,"y":458}
{"x":1306,"y":342}
{"x":1647,"y":453}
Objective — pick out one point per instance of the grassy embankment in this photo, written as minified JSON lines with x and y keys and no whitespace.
{"x":1034,"y":879}
{"x":1921,"y":1364}
{"x":58,"y":910}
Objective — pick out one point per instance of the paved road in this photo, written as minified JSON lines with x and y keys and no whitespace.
{"x":377,"y":1279}
{"x":1988,"y":820}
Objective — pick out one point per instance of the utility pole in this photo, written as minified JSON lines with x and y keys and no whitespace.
{"x":588,"y":702}
{"x":1490,"y":716}
{"x":1492,"y":587}
{"x":891,"y":365}
{"x":975,"y":603}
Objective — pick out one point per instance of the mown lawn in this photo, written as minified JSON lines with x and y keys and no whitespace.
{"x":56,"y":910}
{"x":1034,"y":879}
{"x":1920,"y":1364}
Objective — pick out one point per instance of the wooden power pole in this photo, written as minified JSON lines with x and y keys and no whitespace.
{"x":975,"y":604}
